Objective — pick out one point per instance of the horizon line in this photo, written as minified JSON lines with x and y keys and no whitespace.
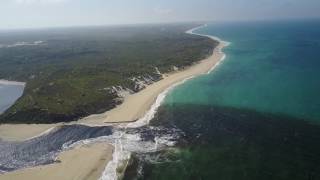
{"x":156,"y":23}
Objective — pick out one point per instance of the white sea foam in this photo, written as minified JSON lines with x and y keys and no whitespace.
{"x":124,"y":143}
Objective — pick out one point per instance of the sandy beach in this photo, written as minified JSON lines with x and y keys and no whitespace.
{"x":20,"y":132}
{"x":136,"y":105}
{"x":83,"y":163}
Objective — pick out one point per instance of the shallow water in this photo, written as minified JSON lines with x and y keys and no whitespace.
{"x":8,"y":95}
{"x":44,"y":149}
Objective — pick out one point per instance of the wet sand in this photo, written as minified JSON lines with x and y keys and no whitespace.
{"x":83,"y":163}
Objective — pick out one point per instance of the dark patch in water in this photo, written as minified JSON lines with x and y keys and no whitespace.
{"x":226,"y":143}
{"x":149,"y":133}
{"x":42,"y":150}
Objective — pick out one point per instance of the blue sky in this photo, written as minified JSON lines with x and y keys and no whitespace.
{"x":51,"y":13}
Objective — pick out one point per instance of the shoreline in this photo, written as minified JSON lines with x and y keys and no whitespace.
{"x":12,"y":91}
{"x":213,"y":61}
{"x":14,"y":83}
{"x":136,"y":110}
{"x":83,"y":162}
{"x":137,"y":105}
{"x":134,"y":106}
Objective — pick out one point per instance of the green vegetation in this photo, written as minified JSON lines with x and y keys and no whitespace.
{"x":69,"y":75}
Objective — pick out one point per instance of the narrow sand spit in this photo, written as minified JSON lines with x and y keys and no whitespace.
{"x":83,"y":163}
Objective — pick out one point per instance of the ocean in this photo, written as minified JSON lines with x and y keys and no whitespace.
{"x":256,"y":116}
{"x":270,"y":68}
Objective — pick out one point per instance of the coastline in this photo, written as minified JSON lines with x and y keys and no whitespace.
{"x":138,"y":108}
{"x":137,"y":105}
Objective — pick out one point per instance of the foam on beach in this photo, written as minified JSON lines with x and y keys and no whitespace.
{"x":124,"y":148}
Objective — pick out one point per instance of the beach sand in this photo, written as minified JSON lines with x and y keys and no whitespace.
{"x":136,"y":105}
{"x":83,"y":163}
{"x":20,"y":132}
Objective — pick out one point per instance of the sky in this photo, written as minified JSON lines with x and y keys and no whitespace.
{"x":15,"y":14}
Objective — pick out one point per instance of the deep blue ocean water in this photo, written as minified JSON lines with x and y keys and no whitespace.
{"x":255,"y":117}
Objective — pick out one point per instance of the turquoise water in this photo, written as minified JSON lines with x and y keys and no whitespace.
{"x":255,"y":117}
{"x":270,"y":67}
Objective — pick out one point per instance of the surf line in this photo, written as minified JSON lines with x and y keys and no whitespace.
{"x":121,"y":157}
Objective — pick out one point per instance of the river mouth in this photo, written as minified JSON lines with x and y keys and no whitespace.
{"x":228,"y":143}
{"x":206,"y":143}
{"x":45,"y":149}
{"x":10,"y":92}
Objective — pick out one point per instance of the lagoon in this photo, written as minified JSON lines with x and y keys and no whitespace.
{"x":9,"y":93}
